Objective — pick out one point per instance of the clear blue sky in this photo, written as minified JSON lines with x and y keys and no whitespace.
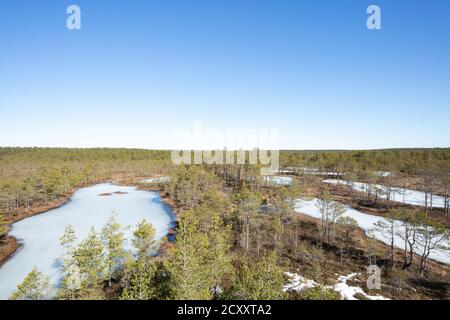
{"x":137,"y":70}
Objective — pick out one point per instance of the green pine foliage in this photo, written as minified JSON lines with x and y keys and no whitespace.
{"x":234,"y":234}
{"x":261,"y":280}
{"x":318,"y":293}
{"x":36,"y":286}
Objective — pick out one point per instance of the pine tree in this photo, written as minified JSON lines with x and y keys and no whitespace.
{"x":350,"y":225}
{"x":140,"y":276}
{"x":162,"y":282}
{"x":388,"y":228}
{"x":140,"y":272}
{"x":35,"y":286}
{"x":187,"y":263}
{"x":411,"y":223}
{"x":433,"y":236}
{"x":337,"y":210}
{"x":144,"y":239}
{"x":114,"y":241}
{"x":90,"y":259}
{"x":218,"y":258}
{"x":282,"y":208}
{"x":262,"y":281}
{"x":68,"y":240}
{"x":248,"y":206}
{"x":325,"y":207}
{"x":71,"y":282}
{"x":318,"y":293}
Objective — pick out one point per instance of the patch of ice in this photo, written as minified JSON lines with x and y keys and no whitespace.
{"x":40,"y":234}
{"x":400,"y":195}
{"x":368,"y":222}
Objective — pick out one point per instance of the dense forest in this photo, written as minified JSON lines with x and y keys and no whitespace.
{"x":236,"y":235}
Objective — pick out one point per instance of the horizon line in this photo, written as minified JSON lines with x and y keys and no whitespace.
{"x":226,"y":149}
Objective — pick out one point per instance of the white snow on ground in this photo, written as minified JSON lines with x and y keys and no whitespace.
{"x":310,"y":171}
{"x":298,"y":283}
{"x":348,"y":292}
{"x":367,"y":222}
{"x":383,"y":173}
{"x":279,"y":180}
{"x":401,"y":195}
{"x":287,"y":170}
{"x":319,"y":172}
{"x":156,"y":180}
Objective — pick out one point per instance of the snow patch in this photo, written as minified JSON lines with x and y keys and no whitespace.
{"x":368,"y":223}
{"x":298,"y":283}
{"x":383,"y":173}
{"x":400,"y":195}
{"x":279,"y":180}
{"x":156,"y":180}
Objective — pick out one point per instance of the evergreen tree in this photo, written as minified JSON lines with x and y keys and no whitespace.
{"x":187,"y":264}
{"x":140,"y":275}
{"x":144,"y":239}
{"x":218,"y":258}
{"x":262,"y":281}
{"x":140,"y":272}
{"x":337,"y":210}
{"x":35,"y":286}
{"x":433,"y":236}
{"x":162,"y":282}
{"x":388,"y":228}
{"x":248,"y":207}
{"x":90,"y":259}
{"x":350,"y":225}
{"x":318,"y":293}
{"x":114,"y":242}
{"x":71,"y":282}
{"x":325,"y":206}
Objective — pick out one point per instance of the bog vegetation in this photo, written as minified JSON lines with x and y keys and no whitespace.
{"x":236,"y":235}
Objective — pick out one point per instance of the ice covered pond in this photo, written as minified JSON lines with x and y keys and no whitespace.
{"x":367,"y":222}
{"x":88,"y":207}
{"x":401,"y":195}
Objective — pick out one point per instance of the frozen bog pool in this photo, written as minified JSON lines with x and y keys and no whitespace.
{"x":401,"y":195}
{"x":368,"y":222}
{"x":88,"y":207}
